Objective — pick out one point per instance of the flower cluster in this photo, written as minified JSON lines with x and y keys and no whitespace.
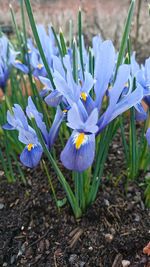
{"x":78,"y":102}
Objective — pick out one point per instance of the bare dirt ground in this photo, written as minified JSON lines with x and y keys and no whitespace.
{"x":106,"y":17}
{"x":114,"y":230}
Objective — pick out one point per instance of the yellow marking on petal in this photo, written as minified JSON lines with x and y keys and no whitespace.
{"x":40,"y":66}
{"x":79,"y":140}
{"x":29,"y":51}
{"x":83,"y":96}
{"x":65,"y":111}
{"x":30,"y":146}
{"x":126,"y":84}
{"x":18,"y":61}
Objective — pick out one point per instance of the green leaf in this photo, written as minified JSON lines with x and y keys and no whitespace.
{"x":37,"y":39}
{"x":63,"y":43}
{"x":80,"y":40}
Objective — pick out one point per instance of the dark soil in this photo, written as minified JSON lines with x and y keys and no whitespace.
{"x":33,"y":233}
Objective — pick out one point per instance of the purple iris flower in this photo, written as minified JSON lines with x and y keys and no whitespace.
{"x":54,"y":97}
{"x":4,"y":74}
{"x":84,"y":112}
{"x":119,"y":102}
{"x":7,"y":57}
{"x":66,"y":85}
{"x":32,"y":153}
{"x":70,"y":91}
{"x":36,"y":63}
{"x":104,"y":68}
{"x":47,"y":86}
{"x":79,"y":151}
{"x":48,"y":43}
{"x":96,"y":43}
{"x":17,"y":120}
{"x":143,"y":78}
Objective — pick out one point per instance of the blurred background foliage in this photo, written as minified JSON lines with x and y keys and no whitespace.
{"x":106,"y":17}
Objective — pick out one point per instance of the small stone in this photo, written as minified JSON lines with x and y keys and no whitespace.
{"x":142,"y":205}
{"x":130,"y":206}
{"x":73,"y":259}
{"x":112,"y":230}
{"x":90,"y":248}
{"x":137,"y":218}
{"x":82,"y":264}
{"x":109,"y":238}
{"x":107,"y":203}
{"x":137,"y":198}
{"x":1,"y":206}
{"x":13,"y":258}
{"x":1,"y":174}
{"x":5,"y":264}
{"x":125,"y":263}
